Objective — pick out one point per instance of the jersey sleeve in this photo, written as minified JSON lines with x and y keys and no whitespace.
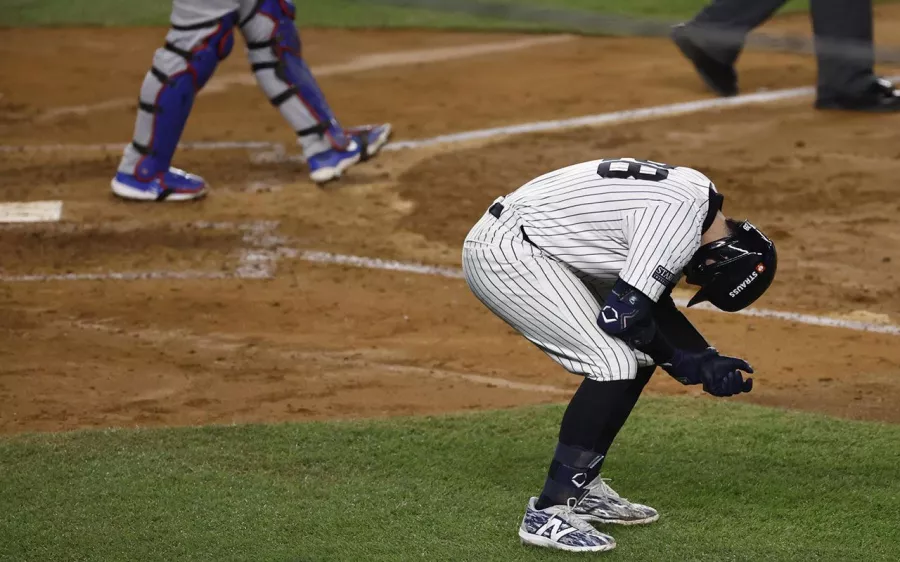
{"x":662,"y":238}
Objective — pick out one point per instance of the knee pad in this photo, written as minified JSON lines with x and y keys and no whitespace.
{"x":276,"y":57}
{"x":180,"y":69}
{"x":202,"y":46}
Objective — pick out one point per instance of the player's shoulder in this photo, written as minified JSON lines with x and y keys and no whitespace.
{"x":580,"y":169}
{"x":679,"y":182}
{"x":692,"y":183}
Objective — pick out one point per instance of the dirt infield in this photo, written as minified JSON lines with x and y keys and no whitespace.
{"x":128,"y":314}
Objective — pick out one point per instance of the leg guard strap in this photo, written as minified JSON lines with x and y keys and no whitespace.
{"x":180,"y":69}
{"x":276,"y":59}
{"x":572,"y":469}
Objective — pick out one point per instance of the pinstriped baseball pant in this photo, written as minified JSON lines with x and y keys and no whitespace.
{"x":544,"y":300}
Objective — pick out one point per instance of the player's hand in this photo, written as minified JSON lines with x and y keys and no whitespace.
{"x":720,"y":375}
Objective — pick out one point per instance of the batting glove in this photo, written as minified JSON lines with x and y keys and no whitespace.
{"x":720,"y":375}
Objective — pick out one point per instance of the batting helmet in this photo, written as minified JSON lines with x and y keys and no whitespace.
{"x":734,"y":271}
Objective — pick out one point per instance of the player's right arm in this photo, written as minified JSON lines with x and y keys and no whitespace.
{"x":629,"y":315}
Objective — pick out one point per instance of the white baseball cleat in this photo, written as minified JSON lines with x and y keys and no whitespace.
{"x":561,"y":528}
{"x":603,"y":505}
{"x":366,"y":142}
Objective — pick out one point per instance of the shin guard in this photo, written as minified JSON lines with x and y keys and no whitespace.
{"x":276,"y":58}
{"x":180,"y":69}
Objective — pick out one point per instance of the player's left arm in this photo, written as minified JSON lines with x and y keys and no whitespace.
{"x":634,"y":318}
{"x":676,"y":327}
{"x":662,"y":238}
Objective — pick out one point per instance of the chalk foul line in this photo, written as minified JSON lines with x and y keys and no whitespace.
{"x":456,"y":273}
{"x":260,"y":261}
{"x":596,"y":120}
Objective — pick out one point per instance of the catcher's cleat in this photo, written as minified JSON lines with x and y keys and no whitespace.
{"x":880,"y":97}
{"x":720,"y":77}
{"x":366,"y":142}
{"x":603,"y":505}
{"x":561,"y":528}
{"x":174,"y":185}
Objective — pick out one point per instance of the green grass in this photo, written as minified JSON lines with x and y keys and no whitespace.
{"x":330,"y":13}
{"x":732,"y":482}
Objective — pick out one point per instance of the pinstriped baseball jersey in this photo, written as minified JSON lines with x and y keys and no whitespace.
{"x":640,"y":221}
{"x":545,"y":257}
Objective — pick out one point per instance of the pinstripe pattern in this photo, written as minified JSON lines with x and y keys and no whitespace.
{"x":586,"y":231}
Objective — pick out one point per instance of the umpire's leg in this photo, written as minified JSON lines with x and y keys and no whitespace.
{"x":848,"y":22}
{"x":733,"y":20}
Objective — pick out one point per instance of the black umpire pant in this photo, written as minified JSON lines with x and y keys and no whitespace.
{"x":834,"y":21}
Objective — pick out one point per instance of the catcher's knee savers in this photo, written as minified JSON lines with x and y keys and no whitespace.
{"x":275,"y":55}
{"x":180,"y":69}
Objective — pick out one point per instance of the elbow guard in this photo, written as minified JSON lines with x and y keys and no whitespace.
{"x":627,"y":315}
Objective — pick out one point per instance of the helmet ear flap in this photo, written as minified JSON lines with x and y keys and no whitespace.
{"x":735,"y":271}
{"x":699,"y":297}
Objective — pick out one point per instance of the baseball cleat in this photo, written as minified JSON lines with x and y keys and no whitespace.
{"x":880,"y":97}
{"x":174,"y":185}
{"x":561,"y":528}
{"x":603,"y":505}
{"x":720,"y":77}
{"x":331,"y":164}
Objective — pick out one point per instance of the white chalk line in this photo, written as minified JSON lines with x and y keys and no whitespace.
{"x":600,"y":119}
{"x":260,"y":264}
{"x":362,"y":63}
{"x":252,"y":258}
{"x":597,"y":120}
{"x":456,"y":273}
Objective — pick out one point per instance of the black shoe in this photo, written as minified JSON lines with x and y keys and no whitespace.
{"x":720,"y":77}
{"x":880,"y":97}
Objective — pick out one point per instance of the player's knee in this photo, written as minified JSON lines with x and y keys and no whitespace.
{"x":196,"y":50}
{"x":273,"y":45}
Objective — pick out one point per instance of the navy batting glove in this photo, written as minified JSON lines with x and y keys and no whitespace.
{"x":720,"y":375}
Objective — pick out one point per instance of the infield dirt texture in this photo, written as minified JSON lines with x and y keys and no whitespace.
{"x":230,"y":310}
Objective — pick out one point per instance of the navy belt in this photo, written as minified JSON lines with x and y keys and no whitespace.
{"x":497,"y":209}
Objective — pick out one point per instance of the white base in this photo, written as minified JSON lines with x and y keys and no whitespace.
{"x":33,"y":211}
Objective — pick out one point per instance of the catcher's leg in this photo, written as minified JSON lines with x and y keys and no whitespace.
{"x":180,"y":69}
{"x":276,"y":58}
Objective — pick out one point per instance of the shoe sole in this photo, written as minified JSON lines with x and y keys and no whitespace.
{"x":124,"y":191}
{"x":625,"y":522}
{"x":831,"y":106}
{"x":536,"y":540}
{"x":325,"y":175}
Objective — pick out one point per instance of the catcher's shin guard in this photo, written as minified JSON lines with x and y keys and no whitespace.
{"x":275,"y":55}
{"x":180,"y":69}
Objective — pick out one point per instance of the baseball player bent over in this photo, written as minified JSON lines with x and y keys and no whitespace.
{"x":582,"y":262}
{"x":202,"y":35}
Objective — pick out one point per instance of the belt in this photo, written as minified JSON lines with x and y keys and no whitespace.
{"x":497,"y":209}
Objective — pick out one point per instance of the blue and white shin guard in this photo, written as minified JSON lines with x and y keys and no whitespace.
{"x":277,"y":61}
{"x":180,"y":69}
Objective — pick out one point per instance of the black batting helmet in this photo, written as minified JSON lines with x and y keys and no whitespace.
{"x":735,"y":271}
